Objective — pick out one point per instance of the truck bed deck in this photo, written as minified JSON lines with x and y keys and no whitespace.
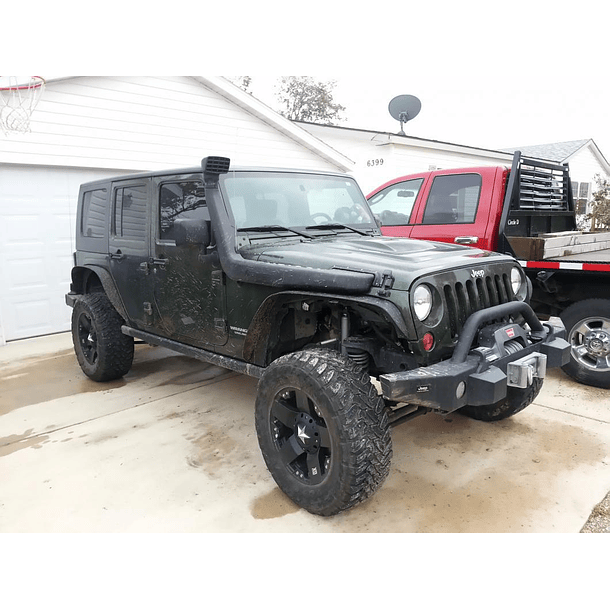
{"x":598,"y":256}
{"x":564,"y":246}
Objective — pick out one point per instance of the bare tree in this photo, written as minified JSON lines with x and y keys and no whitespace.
{"x":304,"y":99}
{"x":600,"y":207}
{"x":243,"y":82}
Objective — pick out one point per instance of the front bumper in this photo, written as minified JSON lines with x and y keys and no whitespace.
{"x":508,"y":355}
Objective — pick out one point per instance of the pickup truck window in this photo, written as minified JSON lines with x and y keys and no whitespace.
{"x":394,"y":204}
{"x":453,"y":199}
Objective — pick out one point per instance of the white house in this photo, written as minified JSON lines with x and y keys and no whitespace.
{"x":381,"y":156}
{"x":89,"y":127}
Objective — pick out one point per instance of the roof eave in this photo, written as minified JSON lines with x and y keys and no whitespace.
{"x":260,"y":110}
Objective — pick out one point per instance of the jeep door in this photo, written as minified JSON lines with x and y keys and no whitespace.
{"x":189,"y":287}
{"x":129,"y":247}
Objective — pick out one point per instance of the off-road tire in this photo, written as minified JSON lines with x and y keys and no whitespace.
{"x":330,"y":400}
{"x":102,"y":350}
{"x":583,"y":320}
{"x":516,"y":400}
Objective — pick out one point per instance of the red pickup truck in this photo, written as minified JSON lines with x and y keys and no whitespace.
{"x":527,"y":211}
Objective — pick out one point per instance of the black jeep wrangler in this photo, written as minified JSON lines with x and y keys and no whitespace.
{"x":284,"y":275}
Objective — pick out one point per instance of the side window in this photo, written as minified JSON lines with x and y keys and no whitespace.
{"x":179,"y":200}
{"x":395,"y":203}
{"x":93,"y":219}
{"x":453,"y":199}
{"x":129,"y":218}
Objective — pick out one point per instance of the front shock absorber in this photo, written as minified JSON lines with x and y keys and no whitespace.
{"x":359,"y":356}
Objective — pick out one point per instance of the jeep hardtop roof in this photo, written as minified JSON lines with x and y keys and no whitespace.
{"x":198,"y":170}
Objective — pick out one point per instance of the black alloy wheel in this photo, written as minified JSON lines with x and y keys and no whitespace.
{"x":301,"y":436}
{"x":103,"y":352}
{"x":323,"y":430}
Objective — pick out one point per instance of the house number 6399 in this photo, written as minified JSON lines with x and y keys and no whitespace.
{"x":374,"y":162}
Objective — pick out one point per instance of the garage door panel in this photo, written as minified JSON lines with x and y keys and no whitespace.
{"x":29,"y":317}
{"x":37,"y":226}
{"x":26,"y":273}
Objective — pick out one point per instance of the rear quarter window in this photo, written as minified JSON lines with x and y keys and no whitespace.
{"x":93,"y":218}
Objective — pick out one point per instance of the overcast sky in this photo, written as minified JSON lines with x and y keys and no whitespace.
{"x":487,"y":113}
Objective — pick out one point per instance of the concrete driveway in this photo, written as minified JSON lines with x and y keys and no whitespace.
{"x":172,"y":448}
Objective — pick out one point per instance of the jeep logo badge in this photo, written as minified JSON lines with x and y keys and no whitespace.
{"x":477,"y":273}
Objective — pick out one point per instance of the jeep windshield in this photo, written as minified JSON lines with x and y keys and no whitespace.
{"x":317,"y":203}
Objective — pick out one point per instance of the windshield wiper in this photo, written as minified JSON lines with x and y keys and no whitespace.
{"x":337,"y":225}
{"x":272,"y":228}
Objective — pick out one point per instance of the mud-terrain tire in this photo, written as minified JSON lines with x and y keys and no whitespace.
{"x":323,"y":430}
{"x":588,"y":333}
{"x":102,"y":350}
{"x":516,"y":400}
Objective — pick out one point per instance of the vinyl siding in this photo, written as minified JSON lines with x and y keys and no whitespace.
{"x":147,"y":123}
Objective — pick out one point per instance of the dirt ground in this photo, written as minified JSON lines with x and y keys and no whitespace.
{"x":172,"y":448}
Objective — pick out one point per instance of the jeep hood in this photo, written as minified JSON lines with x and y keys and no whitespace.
{"x":407,"y":259}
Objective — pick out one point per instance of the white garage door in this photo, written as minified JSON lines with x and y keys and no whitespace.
{"x":37,"y":219}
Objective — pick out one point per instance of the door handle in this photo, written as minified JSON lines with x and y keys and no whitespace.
{"x":466,"y":239}
{"x":161,"y":262}
{"x":117,"y":256}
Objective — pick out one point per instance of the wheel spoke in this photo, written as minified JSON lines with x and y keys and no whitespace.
{"x":314,"y":469}
{"x":580,"y":351}
{"x":290,"y":450}
{"x":582,"y":329}
{"x":85,"y":324}
{"x":324,"y":437}
{"x":284,"y":412}
{"x":302,"y":401}
{"x":603,"y":363}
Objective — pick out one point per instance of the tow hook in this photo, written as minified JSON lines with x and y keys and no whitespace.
{"x":520,"y":373}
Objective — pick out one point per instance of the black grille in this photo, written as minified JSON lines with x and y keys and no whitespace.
{"x":464,"y":298}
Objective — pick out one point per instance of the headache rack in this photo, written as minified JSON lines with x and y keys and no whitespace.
{"x":538,"y":200}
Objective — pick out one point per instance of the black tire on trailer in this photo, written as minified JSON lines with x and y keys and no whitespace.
{"x":323,"y":430}
{"x":588,"y":332}
{"x":102,"y":350}
{"x":516,"y":400}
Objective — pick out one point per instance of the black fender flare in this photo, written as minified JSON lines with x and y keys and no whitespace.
{"x":256,"y":346}
{"x":80,"y":275}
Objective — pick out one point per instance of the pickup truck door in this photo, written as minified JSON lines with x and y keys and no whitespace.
{"x":456,"y":208}
{"x":189,"y":287}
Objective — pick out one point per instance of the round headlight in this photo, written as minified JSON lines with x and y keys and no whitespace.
{"x":422,"y":302}
{"x":516,"y":280}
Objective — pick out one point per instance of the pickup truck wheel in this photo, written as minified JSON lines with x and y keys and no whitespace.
{"x":323,"y":430}
{"x":516,"y":400}
{"x":102,"y":350}
{"x":588,"y":329}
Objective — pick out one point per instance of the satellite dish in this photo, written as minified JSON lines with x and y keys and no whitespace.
{"x":404,"y":108}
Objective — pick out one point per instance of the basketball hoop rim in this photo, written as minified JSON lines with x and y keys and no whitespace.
{"x":36,"y":85}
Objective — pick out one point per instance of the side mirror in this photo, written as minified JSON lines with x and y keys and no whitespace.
{"x":192,"y":231}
